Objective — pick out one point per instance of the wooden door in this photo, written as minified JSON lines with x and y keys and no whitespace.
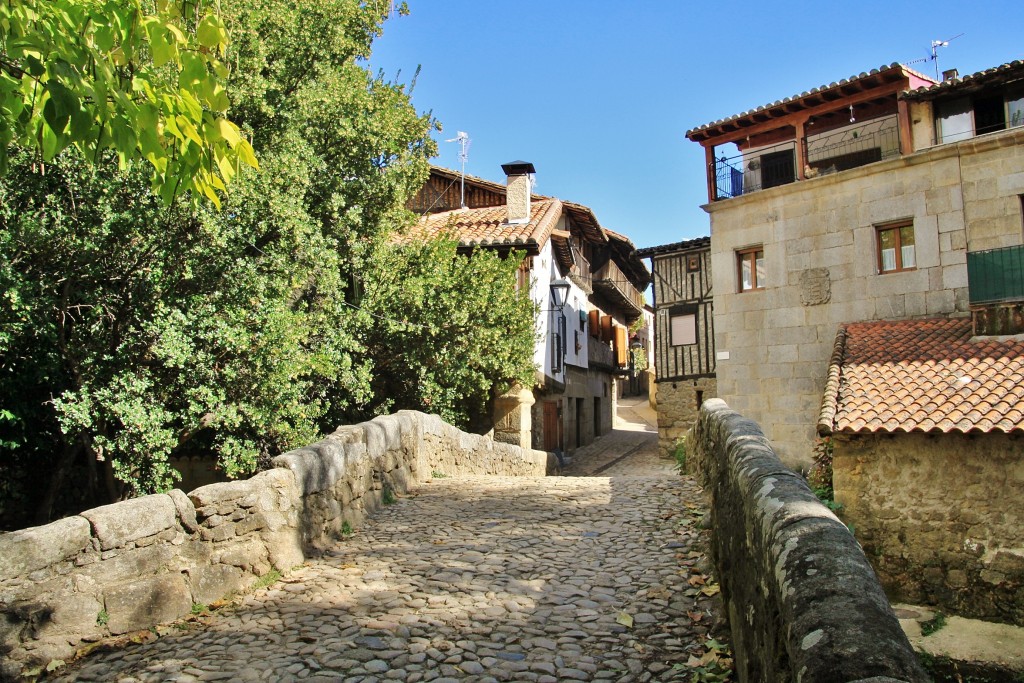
{"x":552,"y":426}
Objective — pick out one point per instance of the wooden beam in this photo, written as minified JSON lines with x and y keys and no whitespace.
{"x":905,"y":132}
{"x":859,"y":98}
{"x":709,"y":163}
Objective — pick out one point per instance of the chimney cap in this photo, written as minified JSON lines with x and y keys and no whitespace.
{"x":518,"y":168}
{"x":950,"y":74}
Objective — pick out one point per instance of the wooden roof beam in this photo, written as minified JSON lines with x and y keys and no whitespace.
{"x":857,"y":98}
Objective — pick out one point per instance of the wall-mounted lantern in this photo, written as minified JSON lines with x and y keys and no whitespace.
{"x":559,"y":293}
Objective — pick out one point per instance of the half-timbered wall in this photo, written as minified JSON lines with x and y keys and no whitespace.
{"x":682,"y":286}
{"x":444,"y":194}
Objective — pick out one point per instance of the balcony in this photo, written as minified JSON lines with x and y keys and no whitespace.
{"x":580,"y":273}
{"x":995,"y":275}
{"x":610,"y":281}
{"x":600,"y":354}
{"x":824,"y":153}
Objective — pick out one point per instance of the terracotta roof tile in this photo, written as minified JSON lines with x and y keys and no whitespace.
{"x":922,"y":375}
{"x":486,"y":227}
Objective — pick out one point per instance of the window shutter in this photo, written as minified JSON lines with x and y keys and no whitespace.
{"x":621,"y":347}
{"x":595,"y":323}
{"x":607,"y":332}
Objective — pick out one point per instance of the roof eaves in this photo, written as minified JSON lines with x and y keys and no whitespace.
{"x":954,"y":84}
{"x":685,"y":245}
{"x":895,"y":66}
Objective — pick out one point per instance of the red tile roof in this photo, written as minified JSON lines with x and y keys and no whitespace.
{"x":923,"y":375}
{"x":486,"y":227}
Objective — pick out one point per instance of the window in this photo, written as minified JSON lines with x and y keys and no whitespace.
{"x":692,"y":263}
{"x":751,"y":268}
{"x":683,"y":329}
{"x":896,"y":248}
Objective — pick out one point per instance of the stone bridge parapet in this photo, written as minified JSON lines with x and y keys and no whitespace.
{"x":135,"y":564}
{"x":803,"y":602}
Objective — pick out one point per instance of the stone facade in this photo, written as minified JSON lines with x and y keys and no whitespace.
{"x":129,"y":566}
{"x":678,"y":405}
{"x":818,"y":238}
{"x":960,"y":551}
{"x":803,"y":602}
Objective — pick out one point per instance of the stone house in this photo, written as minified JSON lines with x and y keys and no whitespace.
{"x":927,"y":428}
{"x":585,"y":280}
{"x":865,"y":199}
{"x":684,"y":344}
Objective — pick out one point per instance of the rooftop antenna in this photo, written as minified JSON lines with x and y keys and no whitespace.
{"x":463,"y":139}
{"x":936,"y":44}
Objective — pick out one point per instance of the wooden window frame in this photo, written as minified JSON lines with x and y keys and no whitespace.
{"x":894,"y":227}
{"x":749,"y":253}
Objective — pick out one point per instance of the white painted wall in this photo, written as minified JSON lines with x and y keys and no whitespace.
{"x":544,"y":273}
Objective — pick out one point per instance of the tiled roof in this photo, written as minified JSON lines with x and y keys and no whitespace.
{"x":890,"y":71}
{"x":1009,"y":71}
{"x":923,"y":375}
{"x":675,"y":247}
{"x":487,"y":228}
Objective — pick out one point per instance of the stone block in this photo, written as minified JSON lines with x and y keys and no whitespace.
{"x":76,"y":614}
{"x":214,"y":582}
{"x":185,"y":510}
{"x":143,"y":603}
{"x":28,"y":550}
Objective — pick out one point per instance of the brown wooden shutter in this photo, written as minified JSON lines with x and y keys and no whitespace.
{"x":621,"y":346}
{"x":607,"y":332}
{"x":595,"y":323}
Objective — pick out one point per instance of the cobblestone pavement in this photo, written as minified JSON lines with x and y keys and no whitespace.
{"x":467,"y":579}
{"x":476,"y":579}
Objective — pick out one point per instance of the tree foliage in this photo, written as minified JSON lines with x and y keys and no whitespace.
{"x":132,"y":331}
{"x":144,"y":79}
{"x":445,"y":329}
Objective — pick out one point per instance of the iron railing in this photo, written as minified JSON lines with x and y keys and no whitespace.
{"x":746,"y":173}
{"x":995,"y":275}
{"x":855,"y":146}
{"x":765,"y":167}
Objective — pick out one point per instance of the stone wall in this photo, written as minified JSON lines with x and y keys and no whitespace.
{"x":939,"y":516}
{"x":802,"y":600}
{"x":129,"y":566}
{"x":678,"y":409}
{"x":822,"y":268}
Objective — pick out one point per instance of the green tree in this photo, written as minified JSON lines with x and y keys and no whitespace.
{"x":444,"y":329}
{"x":144,"y":79}
{"x":130,"y":331}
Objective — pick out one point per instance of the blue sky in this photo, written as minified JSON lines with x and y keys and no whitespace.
{"x":598,"y":95}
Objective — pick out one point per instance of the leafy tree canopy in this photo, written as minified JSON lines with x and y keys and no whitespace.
{"x":132,"y":331}
{"x":145,"y":79}
{"x":444,"y":329}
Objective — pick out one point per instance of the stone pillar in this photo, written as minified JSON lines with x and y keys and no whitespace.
{"x":513,"y":422}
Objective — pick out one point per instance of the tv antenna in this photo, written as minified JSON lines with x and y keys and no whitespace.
{"x":934,"y":55}
{"x":463,"y":139}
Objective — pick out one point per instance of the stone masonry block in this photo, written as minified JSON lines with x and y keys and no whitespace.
{"x":28,"y":550}
{"x":185,"y":509}
{"x":117,"y":524}
{"x":143,"y":603}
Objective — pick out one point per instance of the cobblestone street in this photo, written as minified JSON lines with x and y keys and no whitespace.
{"x":483,"y":579}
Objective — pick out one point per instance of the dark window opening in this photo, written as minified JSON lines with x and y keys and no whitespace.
{"x":700,"y":398}
{"x":989,"y":115}
{"x":777,"y":168}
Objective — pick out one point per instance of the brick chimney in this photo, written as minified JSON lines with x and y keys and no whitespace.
{"x":517,"y":191}
{"x":950,"y":75}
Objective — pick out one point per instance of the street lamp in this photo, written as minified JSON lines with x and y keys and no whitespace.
{"x":559,"y":293}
